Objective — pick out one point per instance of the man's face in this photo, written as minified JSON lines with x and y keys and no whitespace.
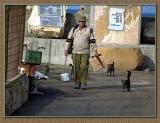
{"x":81,"y":23}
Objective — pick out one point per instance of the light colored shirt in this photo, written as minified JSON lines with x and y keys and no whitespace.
{"x":81,"y":38}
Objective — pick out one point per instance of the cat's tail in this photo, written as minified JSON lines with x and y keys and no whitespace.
{"x":129,"y":74}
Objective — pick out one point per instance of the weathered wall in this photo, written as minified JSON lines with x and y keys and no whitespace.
{"x":53,"y":52}
{"x":130,"y":34}
{"x":149,"y":54}
{"x":28,"y":14}
{"x":16,"y":93}
{"x":124,"y":58}
{"x":14,"y":36}
{"x":35,"y":28}
{"x":16,"y":86}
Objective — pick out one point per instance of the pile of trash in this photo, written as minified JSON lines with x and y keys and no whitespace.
{"x":41,"y":72}
{"x":39,"y":75}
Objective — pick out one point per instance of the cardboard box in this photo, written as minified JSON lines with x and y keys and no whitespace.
{"x":96,"y":63}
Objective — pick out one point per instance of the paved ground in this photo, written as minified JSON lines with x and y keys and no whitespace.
{"x":104,"y":97}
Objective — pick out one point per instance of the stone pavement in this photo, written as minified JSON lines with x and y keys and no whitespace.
{"x":103,"y":98}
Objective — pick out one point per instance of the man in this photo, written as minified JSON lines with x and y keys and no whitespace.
{"x":83,"y":38}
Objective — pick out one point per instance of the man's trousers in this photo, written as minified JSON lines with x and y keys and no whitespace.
{"x":80,"y":66}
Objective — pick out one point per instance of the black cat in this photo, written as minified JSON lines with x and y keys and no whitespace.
{"x":110,"y":69}
{"x":126,"y":83}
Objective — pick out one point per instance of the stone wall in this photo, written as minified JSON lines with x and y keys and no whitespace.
{"x":54,"y":52}
{"x":14,"y":36}
{"x":149,"y":54}
{"x":36,"y":29}
{"x":16,"y":93}
{"x":125,"y":58}
{"x":130,"y":34}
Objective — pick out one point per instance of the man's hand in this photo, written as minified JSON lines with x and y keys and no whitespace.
{"x":66,"y":52}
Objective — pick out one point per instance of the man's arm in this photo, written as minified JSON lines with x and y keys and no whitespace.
{"x":68,"y":41}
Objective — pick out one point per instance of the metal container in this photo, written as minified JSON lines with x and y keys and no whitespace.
{"x":33,"y":57}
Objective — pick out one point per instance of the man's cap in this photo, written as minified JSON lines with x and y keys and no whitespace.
{"x":81,"y":18}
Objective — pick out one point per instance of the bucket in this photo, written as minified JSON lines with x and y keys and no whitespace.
{"x":65,"y":77}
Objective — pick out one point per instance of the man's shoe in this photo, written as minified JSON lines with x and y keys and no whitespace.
{"x":78,"y":87}
{"x":84,"y":87}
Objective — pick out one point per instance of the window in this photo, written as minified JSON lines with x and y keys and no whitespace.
{"x":148,"y":13}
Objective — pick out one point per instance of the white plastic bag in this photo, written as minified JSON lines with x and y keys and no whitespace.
{"x":38,"y":75}
{"x":65,"y":77}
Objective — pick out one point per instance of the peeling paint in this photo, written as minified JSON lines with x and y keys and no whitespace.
{"x":99,"y":12}
{"x":130,"y":33}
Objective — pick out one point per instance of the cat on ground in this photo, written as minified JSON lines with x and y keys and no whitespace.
{"x":110,"y":69}
{"x":126,"y":83}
